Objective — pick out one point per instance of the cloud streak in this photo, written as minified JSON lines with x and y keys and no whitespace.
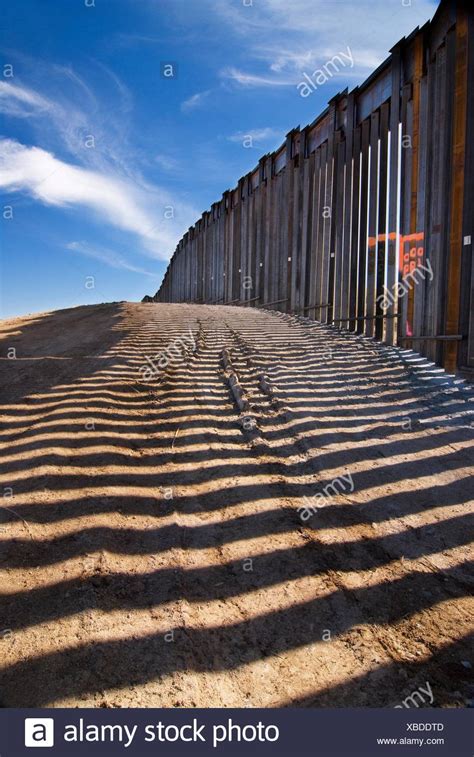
{"x":256,"y":135}
{"x":112,"y":200}
{"x":195,"y":101}
{"x":20,"y":101}
{"x":107,"y":256}
{"x":254,"y":80}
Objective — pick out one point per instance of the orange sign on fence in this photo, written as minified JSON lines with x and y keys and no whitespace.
{"x":409,"y":257}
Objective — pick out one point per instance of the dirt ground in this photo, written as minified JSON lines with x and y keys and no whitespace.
{"x":153,"y":551}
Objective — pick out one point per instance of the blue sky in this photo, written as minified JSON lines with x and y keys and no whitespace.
{"x":108,"y":155}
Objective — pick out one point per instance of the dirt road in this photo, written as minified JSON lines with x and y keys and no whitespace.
{"x":156,"y":549}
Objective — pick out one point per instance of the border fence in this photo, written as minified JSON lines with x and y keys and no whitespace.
{"x":364,"y":218}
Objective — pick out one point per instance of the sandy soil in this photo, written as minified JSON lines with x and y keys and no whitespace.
{"x":153,"y":552}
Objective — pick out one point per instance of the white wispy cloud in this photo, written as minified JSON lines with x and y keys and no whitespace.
{"x":75,"y":118}
{"x":254,"y":80}
{"x":168,"y":163}
{"x":63,"y":121}
{"x":256,"y":135}
{"x":57,"y":168}
{"x":195,"y":101}
{"x":21,"y":102}
{"x":280,"y":40}
{"x":110,"y":257}
{"x":157,"y":220}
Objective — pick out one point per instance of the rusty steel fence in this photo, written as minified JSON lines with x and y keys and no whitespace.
{"x":362,"y":219}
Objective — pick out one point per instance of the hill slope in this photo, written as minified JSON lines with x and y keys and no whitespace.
{"x":157,"y":549}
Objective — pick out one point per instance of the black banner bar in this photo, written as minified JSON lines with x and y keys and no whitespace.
{"x":265,"y":732}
